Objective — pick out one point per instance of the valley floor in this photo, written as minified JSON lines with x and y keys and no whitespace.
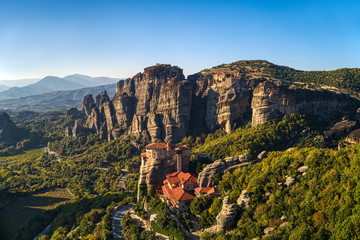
{"x":19,"y":212}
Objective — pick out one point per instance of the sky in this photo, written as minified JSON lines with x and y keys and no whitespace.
{"x":118,"y":38}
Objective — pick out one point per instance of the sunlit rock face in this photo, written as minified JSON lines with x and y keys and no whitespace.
{"x":272,"y":101}
{"x":154,"y":105}
{"x":219,"y":101}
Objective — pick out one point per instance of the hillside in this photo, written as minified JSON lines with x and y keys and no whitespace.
{"x":345,"y":78}
{"x":3,"y":87}
{"x":321,"y":204}
{"x":58,"y":100}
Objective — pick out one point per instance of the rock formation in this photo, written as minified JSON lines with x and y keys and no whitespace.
{"x":206,"y":176}
{"x":73,"y":113}
{"x":159,"y":160}
{"x":160,"y":104}
{"x":226,"y":217}
{"x":353,"y":138}
{"x":244,"y":199}
{"x":271,"y":102}
{"x":8,"y":131}
{"x":219,"y":100}
{"x":340,"y":129}
{"x":154,"y":105}
{"x":289,"y":181}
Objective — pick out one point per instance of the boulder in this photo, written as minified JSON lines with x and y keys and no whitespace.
{"x":268,"y":230}
{"x":353,"y":137}
{"x":244,"y":199}
{"x":261,"y":156}
{"x":290,"y":181}
{"x":303,"y":169}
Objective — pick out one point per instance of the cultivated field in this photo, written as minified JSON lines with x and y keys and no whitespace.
{"x":27,"y":155}
{"x":19,"y":212}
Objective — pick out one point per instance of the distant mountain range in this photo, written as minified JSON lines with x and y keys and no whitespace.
{"x":52,"y":83}
{"x":3,"y":87}
{"x":58,"y":100}
{"x":19,"y":82}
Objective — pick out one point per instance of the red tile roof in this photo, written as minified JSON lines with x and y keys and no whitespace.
{"x":207,"y":190}
{"x":184,"y":147}
{"x":143,"y":155}
{"x":176,"y":194}
{"x":157,"y":146}
{"x":182,"y":195}
{"x":182,"y":178}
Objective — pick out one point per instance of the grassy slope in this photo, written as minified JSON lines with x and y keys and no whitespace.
{"x":27,"y":155}
{"x":25,"y":208}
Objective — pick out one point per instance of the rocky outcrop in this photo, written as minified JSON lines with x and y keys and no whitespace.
{"x":206,"y":176}
{"x":154,"y":105}
{"x":261,"y":156}
{"x":219,"y":100}
{"x":340,"y":129}
{"x":226,"y":217}
{"x":303,"y":169}
{"x":77,"y":129}
{"x":73,"y":113}
{"x":8,"y":131}
{"x":271,"y":101}
{"x":160,"y":104}
{"x":244,"y":199}
{"x":354,"y":137}
{"x":289,"y":181}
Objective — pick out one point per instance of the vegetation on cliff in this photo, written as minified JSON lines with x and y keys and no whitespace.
{"x":345,"y":78}
{"x":322,"y":204}
{"x":293,"y":130}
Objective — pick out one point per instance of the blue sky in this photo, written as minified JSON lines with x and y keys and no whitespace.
{"x":120,"y":38}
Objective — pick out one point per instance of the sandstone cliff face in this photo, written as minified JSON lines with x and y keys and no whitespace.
{"x":223,"y":101}
{"x":160,"y":104}
{"x":271,"y":102}
{"x":155,"y":172}
{"x":8,"y":130}
{"x":154,"y":105}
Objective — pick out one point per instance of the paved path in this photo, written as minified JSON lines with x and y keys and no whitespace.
{"x":46,"y":230}
{"x":119,"y":213}
{"x":122,"y":180}
{"x":116,"y":226}
{"x":57,"y":158}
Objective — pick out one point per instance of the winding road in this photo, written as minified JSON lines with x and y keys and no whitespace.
{"x":57,"y":158}
{"x":117,"y":216}
{"x":120,"y":212}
